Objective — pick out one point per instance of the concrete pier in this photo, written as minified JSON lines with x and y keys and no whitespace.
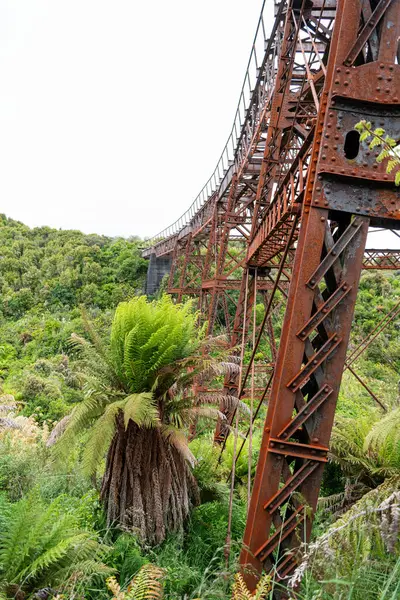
{"x":158,"y":268}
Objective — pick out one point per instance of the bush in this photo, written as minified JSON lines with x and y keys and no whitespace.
{"x":44,"y":546}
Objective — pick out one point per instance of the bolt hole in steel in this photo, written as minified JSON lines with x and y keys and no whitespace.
{"x":352,"y":145}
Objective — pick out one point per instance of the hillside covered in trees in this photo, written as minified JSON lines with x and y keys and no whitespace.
{"x":46,"y":276}
{"x":110,"y":485}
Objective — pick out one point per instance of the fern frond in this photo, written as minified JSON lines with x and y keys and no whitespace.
{"x":240,"y":590}
{"x":177,"y":438}
{"x":8,"y":423}
{"x":142,"y":410}
{"x":100,"y":438}
{"x":147,"y":584}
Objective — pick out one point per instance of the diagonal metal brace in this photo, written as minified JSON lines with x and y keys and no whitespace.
{"x":305,"y":412}
{"x":324,"y":310}
{"x":367,"y":31}
{"x":315,"y":361}
{"x":334,"y":252}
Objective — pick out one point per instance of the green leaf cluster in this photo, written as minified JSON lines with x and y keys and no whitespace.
{"x":389,"y":147}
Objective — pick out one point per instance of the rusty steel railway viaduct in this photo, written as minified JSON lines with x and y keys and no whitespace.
{"x":285,"y":216}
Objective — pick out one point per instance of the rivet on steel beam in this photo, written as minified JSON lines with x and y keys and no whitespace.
{"x":333,"y":252}
{"x":333,"y":102}
{"x":272,"y":444}
{"x":333,"y":159}
{"x":315,"y":440}
{"x":345,"y":288}
{"x":337,"y":81}
{"x":382,"y":66}
{"x":335,"y":339}
{"x":326,"y":388}
{"x":268,"y":429}
{"x":312,"y":281}
{"x":338,"y":69}
{"x":347,"y":71}
{"x":322,"y":219}
{"x":331,"y":114}
{"x":335,"y":147}
{"x":346,"y":83}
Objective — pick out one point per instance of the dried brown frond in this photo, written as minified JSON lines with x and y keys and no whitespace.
{"x":58,"y":430}
{"x":8,"y":423}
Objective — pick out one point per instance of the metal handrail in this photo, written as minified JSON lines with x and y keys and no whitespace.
{"x":238,"y":131}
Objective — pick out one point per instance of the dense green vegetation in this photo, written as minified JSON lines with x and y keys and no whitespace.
{"x":45,"y":276}
{"x":65,"y":350}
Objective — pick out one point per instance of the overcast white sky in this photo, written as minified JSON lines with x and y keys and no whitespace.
{"x":113,"y":113}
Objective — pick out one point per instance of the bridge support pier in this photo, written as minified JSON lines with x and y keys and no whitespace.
{"x":159,"y":266}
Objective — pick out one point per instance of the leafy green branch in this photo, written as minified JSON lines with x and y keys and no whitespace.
{"x":390,"y":150}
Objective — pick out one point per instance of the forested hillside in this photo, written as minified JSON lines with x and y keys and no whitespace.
{"x":110,"y":484}
{"x":46,"y":276}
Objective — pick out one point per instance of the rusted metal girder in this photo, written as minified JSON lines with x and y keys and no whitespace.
{"x":345,"y":192}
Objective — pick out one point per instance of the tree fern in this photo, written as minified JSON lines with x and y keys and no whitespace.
{"x":138,"y":407}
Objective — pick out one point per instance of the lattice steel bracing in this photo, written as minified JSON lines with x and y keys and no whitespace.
{"x":289,"y":215}
{"x":343,"y":192}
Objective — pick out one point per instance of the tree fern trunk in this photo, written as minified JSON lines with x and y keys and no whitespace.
{"x":147,"y":486}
